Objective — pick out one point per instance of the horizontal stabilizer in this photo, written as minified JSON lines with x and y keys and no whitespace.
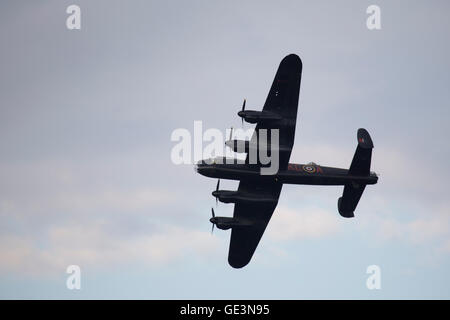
{"x":361,"y":160}
{"x":350,"y":198}
{"x":360,"y":167}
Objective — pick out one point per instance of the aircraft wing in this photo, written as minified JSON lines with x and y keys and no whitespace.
{"x":254,"y":218}
{"x":283,"y":100}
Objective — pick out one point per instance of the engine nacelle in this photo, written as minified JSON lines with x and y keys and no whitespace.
{"x":227,"y":196}
{"x":251,"y":116}
{"x":224,"y":223}
{"x":244,"y":146}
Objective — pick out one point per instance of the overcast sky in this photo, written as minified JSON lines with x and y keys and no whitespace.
{"x":86,"y":176}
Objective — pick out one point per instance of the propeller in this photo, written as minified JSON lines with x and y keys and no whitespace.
{"x":213,"y":216}
{"x":217,"y":189}
{"x":243,"y":109}
{"x":231,"y":133}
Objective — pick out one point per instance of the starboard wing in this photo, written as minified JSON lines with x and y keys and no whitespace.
{"x":254,"y":218}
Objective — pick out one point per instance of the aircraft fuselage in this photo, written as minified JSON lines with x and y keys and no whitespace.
{"x":306,"y":174}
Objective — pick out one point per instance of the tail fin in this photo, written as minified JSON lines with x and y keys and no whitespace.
{"x":360,"y":167}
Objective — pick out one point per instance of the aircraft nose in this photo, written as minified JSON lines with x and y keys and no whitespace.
{"x":205,"y":169}
{"x":197,"y":166}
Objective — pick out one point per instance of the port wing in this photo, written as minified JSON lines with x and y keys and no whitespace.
{"x":283,"y":100}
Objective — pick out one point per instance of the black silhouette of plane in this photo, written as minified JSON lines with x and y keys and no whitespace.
{"x":257,"y":195}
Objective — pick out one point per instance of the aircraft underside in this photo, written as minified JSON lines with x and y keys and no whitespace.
{"x":257,"y":195}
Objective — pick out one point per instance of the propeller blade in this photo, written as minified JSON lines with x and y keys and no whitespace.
{"x":231,"y":133}
{"x":213,"y":215}
{"x":217,"y":189}
{"x":243,"y":109}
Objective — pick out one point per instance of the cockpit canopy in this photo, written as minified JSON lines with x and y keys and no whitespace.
{"x":220,"y":160}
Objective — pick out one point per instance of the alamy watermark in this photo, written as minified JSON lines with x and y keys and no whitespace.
{"x":74,"y":280}
{"x":373,"y":282}
{"x":373,"y":21}
{"x":73,"y":21}
{"x":209,"y":145}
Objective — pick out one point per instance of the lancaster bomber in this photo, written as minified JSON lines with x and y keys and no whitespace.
{"x":257,"y":194}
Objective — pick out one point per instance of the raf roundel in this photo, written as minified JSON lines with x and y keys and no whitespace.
{"x":309,"y":169}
